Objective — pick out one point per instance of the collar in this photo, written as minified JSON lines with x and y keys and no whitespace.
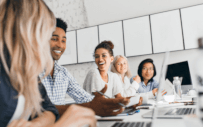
{"x":143,"y":84}
{"x":57,"y":67}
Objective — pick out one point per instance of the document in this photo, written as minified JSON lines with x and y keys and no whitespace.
{"x":134,"y":100}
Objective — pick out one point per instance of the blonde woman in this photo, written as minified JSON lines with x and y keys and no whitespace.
{"x":120,"y":66}
{"x":26,"y":27}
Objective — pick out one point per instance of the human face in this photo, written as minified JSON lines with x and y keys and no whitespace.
{"x":147,"y":71}
{"x":103,"y":59}
{"x":58,"y":43}
{"x":121,"y":66}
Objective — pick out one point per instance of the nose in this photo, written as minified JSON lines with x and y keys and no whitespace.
{"x":99,"y":58}
{"x":59,"y":43}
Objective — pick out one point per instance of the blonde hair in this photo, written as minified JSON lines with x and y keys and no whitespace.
{"x":26,"y":28}
{"x":113,"y":68}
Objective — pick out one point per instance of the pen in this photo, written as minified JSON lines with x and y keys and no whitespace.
{"x":108,"y":97}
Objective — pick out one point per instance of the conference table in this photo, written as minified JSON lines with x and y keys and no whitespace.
{"x":137,"y":117}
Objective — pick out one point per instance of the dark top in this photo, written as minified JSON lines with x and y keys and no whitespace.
{"x":8,"y":97}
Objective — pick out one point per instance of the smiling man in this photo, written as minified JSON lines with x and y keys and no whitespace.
{"x":60,"y":81}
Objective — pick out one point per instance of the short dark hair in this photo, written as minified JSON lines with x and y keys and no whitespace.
{"x":60,"y":23}
{"x":108,"y":45}
{"x":141,"y":66}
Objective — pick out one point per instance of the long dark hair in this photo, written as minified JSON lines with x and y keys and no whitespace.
{"x":141,"y":66}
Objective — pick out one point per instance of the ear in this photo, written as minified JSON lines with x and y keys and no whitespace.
{"x":112,"y":58}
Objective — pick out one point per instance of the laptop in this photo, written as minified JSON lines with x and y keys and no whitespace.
{"x":169,"y":112}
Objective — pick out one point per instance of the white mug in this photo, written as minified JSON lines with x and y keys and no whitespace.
{"x":191,"y":93}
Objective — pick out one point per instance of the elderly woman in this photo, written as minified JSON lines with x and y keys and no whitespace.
{"x":120,"y":66}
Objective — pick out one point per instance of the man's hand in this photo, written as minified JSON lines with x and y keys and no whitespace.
{"x":104,"y":106}
{"x":137,"y":79}
{"x":77,"y":116}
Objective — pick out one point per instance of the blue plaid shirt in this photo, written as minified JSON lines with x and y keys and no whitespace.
{"x":63,"y":82}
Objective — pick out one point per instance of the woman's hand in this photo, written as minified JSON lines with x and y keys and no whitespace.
{"x":76,"y":116}
{"x":154,"y":91}
{"x":20,"y":123}
{"x":137,"y":79}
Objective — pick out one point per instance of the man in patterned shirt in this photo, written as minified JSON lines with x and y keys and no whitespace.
{"x":60,"y":81}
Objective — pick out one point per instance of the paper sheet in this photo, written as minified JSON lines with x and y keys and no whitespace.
{"x":168,"y":86}
{"x":134,"y":100}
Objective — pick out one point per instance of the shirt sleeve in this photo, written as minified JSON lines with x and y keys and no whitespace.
{"x":76,"y":92}
{"x":131,"y":90}
{"x":92,"y":81}
{"x":46,"y":104}
{"x":117,"y":85}
{"x":131,"y":79}
{"x":155,"y":84}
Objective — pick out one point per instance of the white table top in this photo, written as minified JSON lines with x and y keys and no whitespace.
{"x":137,"y":117}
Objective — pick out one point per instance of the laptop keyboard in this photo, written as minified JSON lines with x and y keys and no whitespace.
{"x":181,"y":111}
{"x":132,"y":124}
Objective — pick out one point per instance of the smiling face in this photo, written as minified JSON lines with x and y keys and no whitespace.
{"x":147,"y":71}
{"x":121,"y":65}
{"x":103,"y":59}
{"x":58,"y":43}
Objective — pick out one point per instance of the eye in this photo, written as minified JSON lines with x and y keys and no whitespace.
{"x":64,"y":41}
{"x":96,"y":56}
{"x":54,"y":39}
{"x":103,"y":55}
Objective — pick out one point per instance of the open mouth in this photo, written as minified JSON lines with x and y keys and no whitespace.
{"x":102,"y":63}
{"x":57,"y":51}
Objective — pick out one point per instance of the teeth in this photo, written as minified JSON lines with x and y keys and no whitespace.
{"x":57,"y":51}
{"x":101,"y":63}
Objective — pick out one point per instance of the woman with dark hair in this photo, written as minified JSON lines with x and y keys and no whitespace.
{"x":97,"y":78}
{"x":147,"y":71}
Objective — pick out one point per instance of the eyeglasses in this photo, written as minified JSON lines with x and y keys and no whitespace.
{"x":146,"y":69}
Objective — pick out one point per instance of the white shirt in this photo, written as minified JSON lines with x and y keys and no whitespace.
{"x":128,"y":89}
{"x":93,"y":81}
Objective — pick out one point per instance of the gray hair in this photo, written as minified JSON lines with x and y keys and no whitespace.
{"x":113,"y":69}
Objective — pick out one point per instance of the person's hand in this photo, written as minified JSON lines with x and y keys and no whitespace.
{"x":105,"y":106}
{"x":163,"y":92}
{"x":77,"y":116}
{"x":140,"y":103}
{"x":20,"y":123}
{"x":137,"y":79}
{"x":154,"y":91}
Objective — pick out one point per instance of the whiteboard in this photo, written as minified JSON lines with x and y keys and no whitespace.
{"x":137,"y":36}
{"x":192,"y":20}
{"x":166,"y":31}
{"x":70,"y":54}
{"x":114,"y":33}
{"x":87,"y":40}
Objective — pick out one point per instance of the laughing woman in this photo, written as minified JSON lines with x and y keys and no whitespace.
{"x":97,"y":78}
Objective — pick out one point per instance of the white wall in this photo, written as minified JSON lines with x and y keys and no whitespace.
{"x":103,"y":11}
{"x":77,"y":15}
